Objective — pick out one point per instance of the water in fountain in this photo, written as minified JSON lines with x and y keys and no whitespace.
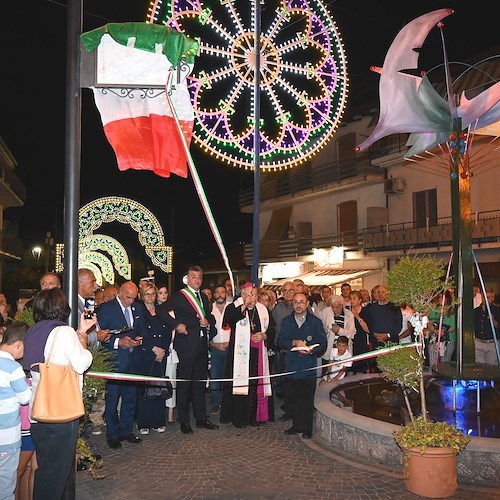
{"x":383,"y":401}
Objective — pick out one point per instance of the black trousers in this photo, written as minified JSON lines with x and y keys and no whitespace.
{"x":55,"y":450}
{"x":301,"y":398}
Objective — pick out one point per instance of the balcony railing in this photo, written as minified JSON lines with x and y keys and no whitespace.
{"x":12,"y":190}
{"x":338,"y":173}
{"x":420,"y":234}
{"x":307,"y":178}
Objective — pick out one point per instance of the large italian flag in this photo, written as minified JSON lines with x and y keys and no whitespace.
{"x":137,"y":64}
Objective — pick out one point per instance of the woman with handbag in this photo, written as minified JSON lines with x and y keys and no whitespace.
{"x":51,"y":341}
{"x":151,"y":359}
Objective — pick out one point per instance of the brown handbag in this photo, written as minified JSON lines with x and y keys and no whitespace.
{"x":58,"y":398}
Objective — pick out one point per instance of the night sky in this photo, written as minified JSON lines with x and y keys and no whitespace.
{"x":32,"y":117}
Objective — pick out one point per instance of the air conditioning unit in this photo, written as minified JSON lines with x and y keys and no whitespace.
{"x":394,"y":185}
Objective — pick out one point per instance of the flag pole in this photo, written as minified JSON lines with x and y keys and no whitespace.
{"x":72,"y":156}
{"x":256,"y":149}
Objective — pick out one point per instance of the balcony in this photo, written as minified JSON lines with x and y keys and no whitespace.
{"x":392,"y":237}
{"x":307,"y":181}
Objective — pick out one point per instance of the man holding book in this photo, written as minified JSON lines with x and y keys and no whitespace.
{"x":297,"y":331}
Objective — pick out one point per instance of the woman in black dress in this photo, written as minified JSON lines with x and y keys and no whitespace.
{"x":151,"y":358}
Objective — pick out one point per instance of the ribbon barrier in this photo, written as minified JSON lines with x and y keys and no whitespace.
{"x":129,"y":377}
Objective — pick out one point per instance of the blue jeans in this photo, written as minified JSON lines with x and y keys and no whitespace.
{"x":217,"y":366}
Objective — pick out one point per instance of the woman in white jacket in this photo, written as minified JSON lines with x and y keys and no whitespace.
{"x":55,"y":443}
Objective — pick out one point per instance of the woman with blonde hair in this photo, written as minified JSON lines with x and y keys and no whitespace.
{"x":151,"y":359}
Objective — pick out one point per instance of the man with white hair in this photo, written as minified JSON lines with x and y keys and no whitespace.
{"x":337,"y":321}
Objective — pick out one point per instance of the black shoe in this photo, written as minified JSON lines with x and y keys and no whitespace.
{"x":82,"y":466}
{"x":238,"y":425}
{"x":306,"y":435}
{"x":292,"y":431}
{"x":186,"y":428}
{"x":206,"y":424}
{"x":285,"y":417}
{"x":114,"y":444}
{"x":131,"y":439}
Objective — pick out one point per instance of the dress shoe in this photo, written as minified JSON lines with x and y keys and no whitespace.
{"x":114,"y":444}
{"x":291,"y":431}
{"x":238,"y":425}
{"x":131,"y":439}
{"x":306,"y":435}
{"x":186,"y":428}
{"x":206,"y":424}
{"x":285,"y":417}
{"x":82,"y":466}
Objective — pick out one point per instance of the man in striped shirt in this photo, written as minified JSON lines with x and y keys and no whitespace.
{"x":14,"y":391}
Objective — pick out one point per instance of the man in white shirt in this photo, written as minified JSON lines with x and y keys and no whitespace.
{"x":218,"y":347}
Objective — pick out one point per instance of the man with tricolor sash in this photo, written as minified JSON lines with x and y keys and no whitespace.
{"x":189,"y":313}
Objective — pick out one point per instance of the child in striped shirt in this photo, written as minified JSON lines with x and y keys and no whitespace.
{"x":14,"y":391}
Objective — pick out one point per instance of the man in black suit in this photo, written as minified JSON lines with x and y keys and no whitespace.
{"x":188,"y":311}
{"x":122,"y":311}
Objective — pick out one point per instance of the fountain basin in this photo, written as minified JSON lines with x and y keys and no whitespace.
{"x":372,"y":439}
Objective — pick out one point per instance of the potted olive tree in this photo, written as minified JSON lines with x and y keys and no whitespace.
{"x":429,"y":448}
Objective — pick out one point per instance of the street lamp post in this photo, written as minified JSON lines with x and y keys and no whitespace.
{"x":36,"y":252}
{"x":49,"y":243}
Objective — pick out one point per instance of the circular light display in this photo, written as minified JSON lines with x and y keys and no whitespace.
{"x":302,"y":73}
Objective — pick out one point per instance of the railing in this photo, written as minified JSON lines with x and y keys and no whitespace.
{"x":13,"y":182}
{"x":419,"y":234}
{"x":306,"y":178}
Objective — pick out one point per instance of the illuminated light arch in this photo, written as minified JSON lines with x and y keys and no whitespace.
{"x":127,"y":211}
{"x":99,"y":259}
{"x":95,"y":269}
{"x":113,"y":247}
{"x":303,"y":78}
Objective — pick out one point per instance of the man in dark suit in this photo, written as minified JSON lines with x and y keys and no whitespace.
{"x":188,"y":312}
{"x":123,"y":311}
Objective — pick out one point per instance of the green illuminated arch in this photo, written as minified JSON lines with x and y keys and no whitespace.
{"x":127,"y":211}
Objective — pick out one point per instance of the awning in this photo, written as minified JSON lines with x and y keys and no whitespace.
{"x":323,"y":277}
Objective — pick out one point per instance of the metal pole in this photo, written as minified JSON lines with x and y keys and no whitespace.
{"x":256,"y":148}
{"x":72,"y":156}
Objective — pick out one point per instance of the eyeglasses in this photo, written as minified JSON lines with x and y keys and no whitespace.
{"x":151,"y":294}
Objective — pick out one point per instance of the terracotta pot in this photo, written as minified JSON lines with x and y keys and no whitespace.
{"x":431,"y":475}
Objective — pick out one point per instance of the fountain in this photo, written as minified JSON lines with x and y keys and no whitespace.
{"x":371,"y":437}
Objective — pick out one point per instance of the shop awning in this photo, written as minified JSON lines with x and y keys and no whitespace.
{"x":323,"y":277}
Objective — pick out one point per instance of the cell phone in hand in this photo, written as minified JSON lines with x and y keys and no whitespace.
{"x":89,"y":309}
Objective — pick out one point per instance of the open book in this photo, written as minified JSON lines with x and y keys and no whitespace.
{"x":304,"y":348}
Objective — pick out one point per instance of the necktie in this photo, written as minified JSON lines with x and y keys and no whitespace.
{"x":128,"y":317}
{"x":198,"y":296}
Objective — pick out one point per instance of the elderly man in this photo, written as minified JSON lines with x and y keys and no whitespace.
{"x":282,"y":309}
{"x":247,"y":400}
{"x":122,"y":312}
{"x":87,"y":286}
{"x":337,"y":321}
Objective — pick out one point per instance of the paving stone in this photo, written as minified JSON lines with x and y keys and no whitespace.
{"x":252,"y":463}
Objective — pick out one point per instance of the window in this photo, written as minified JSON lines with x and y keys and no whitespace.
{"x":425,"y":206}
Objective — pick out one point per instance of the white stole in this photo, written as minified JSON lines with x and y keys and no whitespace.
{"x":241,"y":365}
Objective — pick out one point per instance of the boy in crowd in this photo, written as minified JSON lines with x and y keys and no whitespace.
{"x":14,"y":391}
{"x":339,"y":353}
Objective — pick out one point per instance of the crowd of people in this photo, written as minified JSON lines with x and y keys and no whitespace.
{"x":232,"y":344}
